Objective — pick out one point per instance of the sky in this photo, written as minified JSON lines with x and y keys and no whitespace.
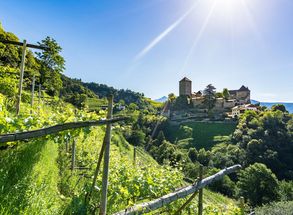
{"x":149,"y":45}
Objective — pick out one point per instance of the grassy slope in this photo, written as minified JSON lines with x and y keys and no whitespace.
{"x":205,"y":135}
{"x":29,"y":179}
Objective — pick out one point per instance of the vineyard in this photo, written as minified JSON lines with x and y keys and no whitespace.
{"x":36,"y":175}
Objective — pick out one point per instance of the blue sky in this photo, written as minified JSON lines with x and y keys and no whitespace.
{"x":149,"y":45}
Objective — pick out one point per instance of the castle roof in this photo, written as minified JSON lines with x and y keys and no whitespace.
{"x":185,"y":79}
{"x":243,"y":88}
{"x":232,"y":92}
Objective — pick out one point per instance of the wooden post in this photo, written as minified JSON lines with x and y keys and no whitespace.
{"x":134,"y":155}
{"x":21,"y":77}
{"x":241,"y":205}
{"x":87,"y":198}
{"x":185,"y":204}
{"x":33,"y":91}
{"x":73,"y":154}
{"x":66,"y":144}
{"x":103,"y":205}
{"x":200,"y":192}
{"x":40,"y":88}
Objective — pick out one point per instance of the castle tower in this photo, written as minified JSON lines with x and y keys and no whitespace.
{"x":185,"y":87}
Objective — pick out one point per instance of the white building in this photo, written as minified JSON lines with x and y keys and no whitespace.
{"x":240,"y":109}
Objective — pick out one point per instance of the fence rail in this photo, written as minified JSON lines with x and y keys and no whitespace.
{"x":55,"y":129}
{"x":181,"y":193}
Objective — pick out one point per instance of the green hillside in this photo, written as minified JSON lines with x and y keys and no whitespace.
{"x":205,"y":135}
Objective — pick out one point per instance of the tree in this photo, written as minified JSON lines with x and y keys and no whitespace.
{"x":226,"y":93}
{"x":10,"y":55}
{"x":203,"y":156}
{"x":279,"y":107}
{"x":171,"y":97}
{"x":52,"y":64}
{"x":258,"y":184}
{"x":209,"y":94}
{"x":219,"y":95}
{"x":137,"y":138}
{"x":192,"y":154}
{"x":181,"y":103}
{"x":185,"y":131}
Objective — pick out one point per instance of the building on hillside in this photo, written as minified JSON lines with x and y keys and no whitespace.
{"x":185,"y":87}
{"x":242,"y":95}
{"x":222,"y":106}
{"x":236,"y":97}
{"x":240,"y":109}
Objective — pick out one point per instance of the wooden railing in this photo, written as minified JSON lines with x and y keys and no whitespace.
{"x":55,"y":129}
{"x":180,"y":193}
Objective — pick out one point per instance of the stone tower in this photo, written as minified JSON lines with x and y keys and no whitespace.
{"x":185,"y":87}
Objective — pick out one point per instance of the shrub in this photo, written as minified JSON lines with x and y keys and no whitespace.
{"x":276,"y":208}
{"x":258,"y":184}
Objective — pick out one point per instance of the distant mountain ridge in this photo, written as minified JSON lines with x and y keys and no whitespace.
{"x":288,"y":105}
{"x":162,"y":99}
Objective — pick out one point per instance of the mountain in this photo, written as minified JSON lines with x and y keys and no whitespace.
{"x":289,"y":106}
{"x":162,"y":99}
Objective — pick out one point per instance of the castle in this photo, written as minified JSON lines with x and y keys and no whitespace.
{"x":236,"y":98}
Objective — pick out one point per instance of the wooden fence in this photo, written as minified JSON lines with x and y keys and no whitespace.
{"x":55,"y":129}
{"x":181,"y":193}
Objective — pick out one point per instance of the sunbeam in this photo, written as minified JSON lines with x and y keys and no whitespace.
{"x":161,"y":36}
{"x":252,"y":22}
{"x":197,"y":38}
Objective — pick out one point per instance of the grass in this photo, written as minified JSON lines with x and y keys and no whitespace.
{"x":205,"y":135}
{"x":29,"y":179}
{"x":95,"y":104}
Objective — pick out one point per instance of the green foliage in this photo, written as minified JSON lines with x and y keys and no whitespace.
{"x":209,"y":95}
{"x":9,"y":54}
{"x":258,"y":184}
{"x":8,"y":81}
{"x":267,"y":138}
{"x":226,"y":93}
{"x":286,"y":190}
{"x":225,"y":155}
{"x":181,"y":103}
{"x":171,"y":97}
{"x":225,"y":186}
{"x":275,"y":208}
{"x":203,"y":156}
{"x":51,"y":65}
{"x":186,"y":131}
{"x":137,"y":138}
{"x":279,"y":107}
{"x":192,"y":154}
{"x":128,"y":96}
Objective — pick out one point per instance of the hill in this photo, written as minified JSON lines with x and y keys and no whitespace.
{"x":162,"y":99}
